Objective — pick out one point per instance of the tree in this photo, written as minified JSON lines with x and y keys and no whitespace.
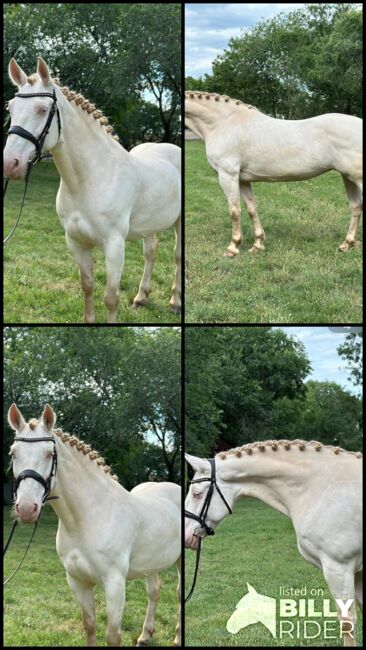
{"x":351,"y":351}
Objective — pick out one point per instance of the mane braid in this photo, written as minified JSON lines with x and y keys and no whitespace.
{"x":85,"y":449}
{"x":272,"y":445}
{"x":196,"y":94}
{"x":87,"y":106}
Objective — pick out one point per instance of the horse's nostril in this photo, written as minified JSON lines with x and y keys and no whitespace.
{"x":16,"y":162}
{"x":34,"y":507}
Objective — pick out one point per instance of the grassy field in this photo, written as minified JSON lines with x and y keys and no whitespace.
{"x":256,"y":545}
{"x":39,"y":607}
{"x":301,"y":277}
{"x":41,"y":279}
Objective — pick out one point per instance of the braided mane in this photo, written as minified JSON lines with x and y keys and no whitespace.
{"x":196,"y":94}
{"x":81,"y":446}
{"x":286,"y":444}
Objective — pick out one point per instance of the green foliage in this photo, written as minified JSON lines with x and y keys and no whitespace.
{"x":295,"y":65}
{"x":116,"y":388}
{"x":235,"y":377}
{"x":351,"y":351}
{"x":125,"y":57}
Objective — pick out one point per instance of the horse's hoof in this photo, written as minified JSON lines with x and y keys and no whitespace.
{"x":138,"y":303}
{"x":175,"y":309}
{"x":256,"y":249}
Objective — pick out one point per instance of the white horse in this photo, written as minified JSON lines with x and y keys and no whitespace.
{"x":107,"y":195}
{"x":318,"y":487}
{"x":243,"y":145}
{"x":106,"y":535}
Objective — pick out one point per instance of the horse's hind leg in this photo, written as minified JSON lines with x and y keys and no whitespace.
{"x":358,"y":589}
{"x":230,"y":186}
{"x":84,"y":594}
{"x":153,"y":592}
{"x":249,"y":200}
{"x":150,"y":246}
{"x":354,"y":193}
{"x":175,"y":301}
{"x":177,"y":640}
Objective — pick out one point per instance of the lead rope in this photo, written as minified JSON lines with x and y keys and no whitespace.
{"x":198,"y":553}
{"x":26,"y":550}
{"x":30,"y":165}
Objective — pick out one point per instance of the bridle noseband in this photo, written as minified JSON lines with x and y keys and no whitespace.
{"x":38,"y":142}
{"x":31,"y":473}
{"x":201,"y":518}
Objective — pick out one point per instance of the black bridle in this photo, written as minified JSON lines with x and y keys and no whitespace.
{"x":46,"y":484}
{"x":201,"y":518}
{"x":38,"y":143}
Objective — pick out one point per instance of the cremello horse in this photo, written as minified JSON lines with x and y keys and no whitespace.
{"x":106,"y":535}
{"x":318,"y":487}
{"x":243,"y":145}
{"x":107,"y":195}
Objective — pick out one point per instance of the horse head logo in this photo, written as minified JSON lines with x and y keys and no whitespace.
{"x":253,"y":608}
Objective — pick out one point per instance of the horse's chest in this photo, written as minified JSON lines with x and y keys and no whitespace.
{"x":81,"y":227}
{"x":78,"y":564}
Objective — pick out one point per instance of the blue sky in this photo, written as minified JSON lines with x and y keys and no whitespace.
{"x":321,"y":347}
{"x":209,"y":26}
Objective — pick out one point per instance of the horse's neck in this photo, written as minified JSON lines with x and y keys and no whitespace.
{"x":85,"y":149}
{"x":84,"y":490}
{"x":277,"y":478}
{"x":203,"y":115}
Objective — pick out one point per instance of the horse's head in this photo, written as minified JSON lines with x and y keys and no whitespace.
{"x":34,"y":461}
{"x":209,"y":500}
{"x":35,"y":122}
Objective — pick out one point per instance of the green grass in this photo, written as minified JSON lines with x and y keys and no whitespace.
{"x":39,"y":607}
{"x":256,"y":545}
{"x":41,"y":278}
{"x":301,"y":277}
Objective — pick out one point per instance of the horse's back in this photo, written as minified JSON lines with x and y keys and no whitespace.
{"x":164,"y":150}
{"x":164,"y":490}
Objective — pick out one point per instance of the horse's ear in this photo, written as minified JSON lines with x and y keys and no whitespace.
{"x":15,"y":418}
{"x":198,"y":464}
{"x":251,"y":589}
{"x":48,"y":417}
{"x":43,"y":71}
{"x":16,"y":74}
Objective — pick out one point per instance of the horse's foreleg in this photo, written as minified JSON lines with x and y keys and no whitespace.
{"x":341,"y":583}
{"x":84,"y":594}
{"x":177,"y":640}
{"x":115,"y":598}
{"x":84,"y":259}
{"x":230,"y":186}
{"x":358,"y":589}
{"x":150,"y":245}
{"x":175,"y":301}
{"x":354,"y":194}
{"x":249,"y":200}
{"x":114,"y":251}
{"x":153,"y":593}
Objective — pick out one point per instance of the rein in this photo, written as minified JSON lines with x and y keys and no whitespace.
{"x":46,"y":483}
{"x":201,"y":518}
{"x":38,"y":143}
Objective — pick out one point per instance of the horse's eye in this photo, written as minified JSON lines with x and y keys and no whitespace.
{"x":197,"y":495}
